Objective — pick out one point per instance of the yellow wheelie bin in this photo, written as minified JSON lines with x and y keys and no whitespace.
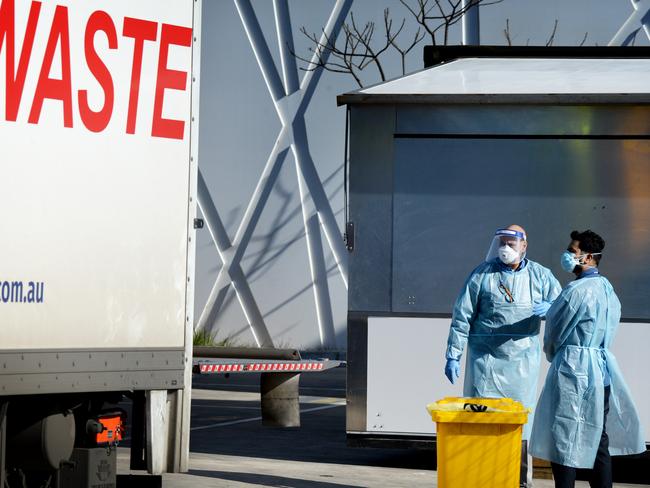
{"x":478,"y":441}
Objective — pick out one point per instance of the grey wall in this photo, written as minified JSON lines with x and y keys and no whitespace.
{"x":239,"y":125}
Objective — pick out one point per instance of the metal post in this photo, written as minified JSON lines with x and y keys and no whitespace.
{"x":471,"y":26}
{"x":155,"y":418}
{"x":279,"y":399}
{"x":158,"y":422}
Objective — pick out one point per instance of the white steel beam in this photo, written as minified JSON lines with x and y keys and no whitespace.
{"x":318,"y":268}
{"x":245,"y":230}
{"x":311,"y":222}
{"x":639,"y":19}
{"x":291,"y":101}
{"x":285,"y":43}
{"x":291,"y":110}
{"x":260,"y":48}
{"x":236,"y":274}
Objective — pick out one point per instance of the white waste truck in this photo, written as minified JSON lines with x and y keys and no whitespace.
{"x":98,"y":167}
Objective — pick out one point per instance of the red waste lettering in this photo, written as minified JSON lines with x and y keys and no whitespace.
{"x":167,"y":78}
{"x":15,"y":81}
{"x":140,"y":31}
{"x":97,"y":121}
{"x":53,"y":88}
{"x":59,"y":95}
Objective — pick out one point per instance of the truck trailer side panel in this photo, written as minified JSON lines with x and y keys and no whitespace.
{"x":96,"y":199}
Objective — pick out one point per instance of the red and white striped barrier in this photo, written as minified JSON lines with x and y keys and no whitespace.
{"x":261,"y":367}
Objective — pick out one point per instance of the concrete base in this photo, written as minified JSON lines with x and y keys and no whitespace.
{"x":280,"y":399}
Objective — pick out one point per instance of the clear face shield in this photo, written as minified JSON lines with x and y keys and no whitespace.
{"x":507,"y":245}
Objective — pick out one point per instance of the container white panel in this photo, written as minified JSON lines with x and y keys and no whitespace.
{"x":99,"y":218}
{"x":406,"y":360}
{"x":631,"y":350}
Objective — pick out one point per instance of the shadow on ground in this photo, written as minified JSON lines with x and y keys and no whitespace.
{"x":320,"y":439}
{"x":268,"y":480}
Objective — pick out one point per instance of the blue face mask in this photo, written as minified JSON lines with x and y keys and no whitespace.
{"x":568,"y":261}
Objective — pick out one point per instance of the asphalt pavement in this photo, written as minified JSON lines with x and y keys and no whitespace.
{"x":230,"y":447}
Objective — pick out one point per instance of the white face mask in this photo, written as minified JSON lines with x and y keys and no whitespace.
{"x":508,"y":255}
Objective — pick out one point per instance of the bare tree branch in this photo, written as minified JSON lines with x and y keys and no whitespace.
{"x":346,"y":57}
{"x":358,"y":47}
{"x":506,"y":33}
{"x":365,"y":37}
{"x":584,"y":39}
{"x":404,"y":51}
{"x":449,"y":13}
{"x":421,"y":14}
{"x":551,"y":39}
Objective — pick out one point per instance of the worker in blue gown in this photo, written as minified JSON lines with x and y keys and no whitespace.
{"x":585,"y":412}
{"x":498,"y":315}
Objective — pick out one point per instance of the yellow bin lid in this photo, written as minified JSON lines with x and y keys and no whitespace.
{"x":478,"y":410}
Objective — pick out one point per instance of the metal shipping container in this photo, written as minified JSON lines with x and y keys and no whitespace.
{"x":441,"y":158}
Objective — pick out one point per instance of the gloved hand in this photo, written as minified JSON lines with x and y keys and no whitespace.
{"x":452,"y":370}
{"x":540,"y":308}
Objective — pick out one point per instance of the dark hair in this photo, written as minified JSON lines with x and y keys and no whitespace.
{"x":590,"y":243}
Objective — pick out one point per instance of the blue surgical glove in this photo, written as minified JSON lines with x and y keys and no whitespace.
{"x":452,"y":370}
{"x":540,"y":308}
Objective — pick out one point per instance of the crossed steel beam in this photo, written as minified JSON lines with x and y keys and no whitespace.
{"x":639,"y":19}
{"x":291,"y":98}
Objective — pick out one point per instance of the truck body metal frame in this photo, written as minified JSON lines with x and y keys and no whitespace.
{"x":162,"y":375}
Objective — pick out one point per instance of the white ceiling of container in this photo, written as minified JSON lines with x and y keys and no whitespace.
{"x":485,"y":76}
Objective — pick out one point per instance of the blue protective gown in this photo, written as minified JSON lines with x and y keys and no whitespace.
{"x":504,"y":352}
{"x":580,"y":327}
